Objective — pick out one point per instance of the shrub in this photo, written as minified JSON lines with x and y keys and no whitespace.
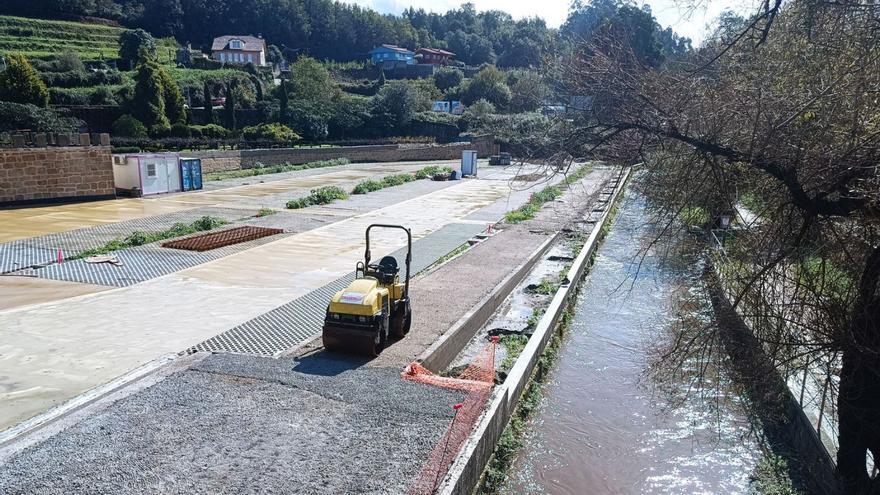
{"x":398,"y":179}
{"x":128,"y":126}
{"x":210,"y":131}
{"x":367,"y":186}
{"x":20,"y":83}
{"x":270,"y":132}
{"x":181,"y":130}
{"x":22,"y":116}
{"x":320,"y":196}
{"x":448,"y":78}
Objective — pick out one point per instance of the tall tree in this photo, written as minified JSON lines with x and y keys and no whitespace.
{"x":133,"y":43}
{"x":148,"y":104}
{"x":20,"y":83}
{"x":283,"y":100}
{"x":785,"y":111}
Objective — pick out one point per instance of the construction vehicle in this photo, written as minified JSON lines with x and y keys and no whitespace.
{"x":373,"y":308}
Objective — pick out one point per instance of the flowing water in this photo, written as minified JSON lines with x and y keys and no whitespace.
{"x":604,"y":427}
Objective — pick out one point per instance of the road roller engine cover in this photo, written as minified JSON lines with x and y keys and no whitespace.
{"x":374,"y":308}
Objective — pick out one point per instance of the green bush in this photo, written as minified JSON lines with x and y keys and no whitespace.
{"x":367,"y":186}
{"x":270,"y":132}
{"x":320,"y":196}
{"x":128,"y":126}
{"x":210,"y":131}
{"x":398,"y":179}
{"x":20,"y":83}
{"x":181,"y":130}
{"x":15,"y":116}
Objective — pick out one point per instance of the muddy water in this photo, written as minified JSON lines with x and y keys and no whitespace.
{"x":603,"y":426}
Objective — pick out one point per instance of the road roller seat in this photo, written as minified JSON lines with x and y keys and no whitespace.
{"x":388,"y":269}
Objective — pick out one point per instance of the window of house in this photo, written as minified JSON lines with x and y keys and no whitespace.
{"x":250,"y":57}
{"x":151,"y":170}
{"x":222,"y":57}
{"x":236,"y":44}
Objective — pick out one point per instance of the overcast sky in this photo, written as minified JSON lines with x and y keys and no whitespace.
{"x":687,"y":21}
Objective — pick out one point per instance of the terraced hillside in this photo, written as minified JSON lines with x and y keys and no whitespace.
{"x":39,"y":38}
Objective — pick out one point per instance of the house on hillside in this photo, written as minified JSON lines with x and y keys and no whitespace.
{"x":236,"y":49}
{"x":434,"y":56}
{"x":391,"y":56}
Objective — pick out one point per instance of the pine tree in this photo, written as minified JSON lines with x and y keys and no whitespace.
{"x":209,"y":105}
{"x":148,"y":104}
{"x":229,"y":109}
{"x":20,"y":83}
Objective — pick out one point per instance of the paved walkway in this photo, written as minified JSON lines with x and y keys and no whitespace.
{"x":54,"y":351}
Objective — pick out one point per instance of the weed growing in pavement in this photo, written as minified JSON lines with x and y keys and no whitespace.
{"x":528,"y":210}
{"x":396,"y":180}
{"x":367,"y":186}
{"x":432,"y":170}
{"x":265,"y":212}
{"x":534,"y":318}
{"x":139,"y":237}
{"x":513,"y":346}
{"x":320,"y":196}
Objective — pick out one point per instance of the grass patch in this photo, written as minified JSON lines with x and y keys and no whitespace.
{"x":265,"y":212}
{"x":397,"y":180}
{"x":320,"y":196}
{"x":534,"y":318}
{"x":528,"y":210}
{"x":139,"y":237}
{"x":40,"y":38}
{"x":274,"y":169}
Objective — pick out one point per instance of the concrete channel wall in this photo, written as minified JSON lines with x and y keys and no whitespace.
{"x":216,"y":161}
{"x":817,"y":463}
{"x":466,"y":471}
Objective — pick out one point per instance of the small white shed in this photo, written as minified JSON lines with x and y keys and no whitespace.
{"x":149,"y":173}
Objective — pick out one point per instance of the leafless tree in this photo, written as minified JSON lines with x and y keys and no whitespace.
{"x":781,"y":113}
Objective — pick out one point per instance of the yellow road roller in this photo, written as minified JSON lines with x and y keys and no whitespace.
{"x":374,"y":307}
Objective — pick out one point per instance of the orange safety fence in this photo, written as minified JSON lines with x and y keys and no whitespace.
{"x":477,"y":381}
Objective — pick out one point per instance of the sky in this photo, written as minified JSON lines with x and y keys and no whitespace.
{"x":686,"y":17}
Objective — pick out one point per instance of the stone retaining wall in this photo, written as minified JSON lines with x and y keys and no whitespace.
{"x":35,"y":175}
{"x":215,"y":161}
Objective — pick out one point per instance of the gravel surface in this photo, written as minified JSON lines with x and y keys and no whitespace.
{"x":237,"y":424}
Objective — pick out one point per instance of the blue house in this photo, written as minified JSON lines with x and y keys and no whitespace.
{"x":391,"y":56}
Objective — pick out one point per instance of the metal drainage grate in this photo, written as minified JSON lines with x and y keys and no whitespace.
{"x":214,"y":240}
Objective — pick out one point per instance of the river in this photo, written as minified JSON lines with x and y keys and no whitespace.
{"x":605,"y":426}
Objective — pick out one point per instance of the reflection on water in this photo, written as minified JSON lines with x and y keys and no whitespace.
{"x":604,"y":427}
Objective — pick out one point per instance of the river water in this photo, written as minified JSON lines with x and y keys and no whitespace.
{"x":604,"y":426}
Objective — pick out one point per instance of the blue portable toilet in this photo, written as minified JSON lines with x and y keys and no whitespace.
{"x":190,"y":174}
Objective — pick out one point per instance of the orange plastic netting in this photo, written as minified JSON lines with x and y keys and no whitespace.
{"x":477,"y":381}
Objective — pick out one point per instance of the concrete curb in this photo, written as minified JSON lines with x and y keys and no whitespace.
{"x":465,"y":472}
{"x":444,"y":350}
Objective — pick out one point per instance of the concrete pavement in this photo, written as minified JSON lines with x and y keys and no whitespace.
{"x":53,"y":351}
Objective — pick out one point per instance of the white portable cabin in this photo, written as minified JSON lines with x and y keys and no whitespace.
{"x":150,"y":173}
